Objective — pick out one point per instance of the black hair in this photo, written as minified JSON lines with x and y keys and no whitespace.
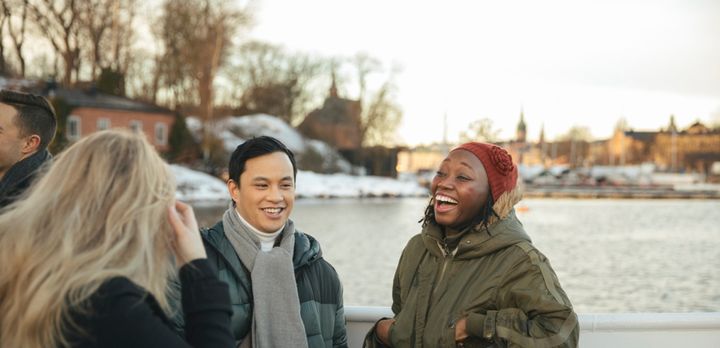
{"x":256,"y":147}
{"x":35,"y":115}
{"x":482,"y":218}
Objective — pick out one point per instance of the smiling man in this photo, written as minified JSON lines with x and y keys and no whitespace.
{"x":27,"y":126}
{"x":284,"y":293}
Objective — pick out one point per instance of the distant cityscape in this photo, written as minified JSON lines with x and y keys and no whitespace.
{"x":693,"y":149}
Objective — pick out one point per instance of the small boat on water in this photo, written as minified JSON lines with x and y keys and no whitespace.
{"x":616,"y":330}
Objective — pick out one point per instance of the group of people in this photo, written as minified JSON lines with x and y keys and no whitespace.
{"x":95,"y":251}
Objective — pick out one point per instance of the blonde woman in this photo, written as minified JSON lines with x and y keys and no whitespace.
{"x":88,"y":252}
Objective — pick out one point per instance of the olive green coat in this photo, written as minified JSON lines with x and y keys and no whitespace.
{"x":497,"y":279}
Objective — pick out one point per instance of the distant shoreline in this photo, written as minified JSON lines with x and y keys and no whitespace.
{"x":617,"y":192}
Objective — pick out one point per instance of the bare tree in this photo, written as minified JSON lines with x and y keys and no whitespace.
{"x":197,"y":35}
{"x":380,"y":113}
{"x":274,"y":81}
{"x":577,"y":133}
{"x":622,"y":125}
{"x":95,"y":19}
{"x":481,"y":130}
{"x":107,"y":30}
{"x":381,"y":117}
{"x":17,"y":34}
{"x":122,"y":36}
{"x":58,"y":20}
{"x":4,"y":17}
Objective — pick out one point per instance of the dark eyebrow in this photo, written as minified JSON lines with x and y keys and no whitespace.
{"x":262,"y":178}
{"x":467,"y":165}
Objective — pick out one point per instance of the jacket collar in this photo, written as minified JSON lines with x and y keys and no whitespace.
{"x":23,"y":171}
{"x":306,"y":249}
{"x":478,"y":242}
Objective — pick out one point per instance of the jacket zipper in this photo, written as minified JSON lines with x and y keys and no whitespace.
{"x":447,"y":257}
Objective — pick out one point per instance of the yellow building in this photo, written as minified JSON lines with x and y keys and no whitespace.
{"x":421,"y":159}
{"x":694,"y":149}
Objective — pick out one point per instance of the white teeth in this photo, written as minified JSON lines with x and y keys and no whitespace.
{"x":446,"y":199}
{"x":272,"y":210}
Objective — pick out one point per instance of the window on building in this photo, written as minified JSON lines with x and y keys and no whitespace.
{"x":160,"y":134}
{"x":136,"y":126}
{"x":103,"y":124}
{"x":73,"y":127}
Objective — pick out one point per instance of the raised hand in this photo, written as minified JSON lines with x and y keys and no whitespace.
{"x":188,"y":243}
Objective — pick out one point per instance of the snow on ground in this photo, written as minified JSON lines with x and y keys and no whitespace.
{"x":200,"y":188}
{"x":311,"y":184}
{"x":263,"y":124}
{"x":234,"y":130}
{"x":197,"y":187}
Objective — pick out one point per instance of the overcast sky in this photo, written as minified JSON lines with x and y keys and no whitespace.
{"x":565,"y":63}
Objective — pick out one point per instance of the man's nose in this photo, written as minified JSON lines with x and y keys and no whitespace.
{"x":274,"y":194}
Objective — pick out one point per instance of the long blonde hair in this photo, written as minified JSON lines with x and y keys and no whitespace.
{"x":100,"y":211}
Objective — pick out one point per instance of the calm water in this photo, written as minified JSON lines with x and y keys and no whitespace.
{"x":610,"y":255}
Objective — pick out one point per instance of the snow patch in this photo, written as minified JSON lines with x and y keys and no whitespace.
{"x":197,"y":187}
{"x":200,"y":188}
{"x":234,"y":130}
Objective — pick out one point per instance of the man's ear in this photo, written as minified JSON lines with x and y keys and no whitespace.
{"x":31,"y":144}
{"x":234,"y":190}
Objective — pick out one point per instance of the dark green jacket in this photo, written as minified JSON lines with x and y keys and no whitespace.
{"x":496,"y":279}
{"x":319,"y":288}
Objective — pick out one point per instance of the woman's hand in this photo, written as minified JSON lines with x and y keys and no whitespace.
{"x":382,"y":330}
{"x":188,"y":243}
{"x":461,"y":329}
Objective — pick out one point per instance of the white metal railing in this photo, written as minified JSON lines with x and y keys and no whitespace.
{"x":636,"y":330}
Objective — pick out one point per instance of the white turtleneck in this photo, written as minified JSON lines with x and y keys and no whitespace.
{"x":267,"y":240}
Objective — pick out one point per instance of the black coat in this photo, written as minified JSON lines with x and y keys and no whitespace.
{"x":125,"y":315}
{"x":19,"y":177}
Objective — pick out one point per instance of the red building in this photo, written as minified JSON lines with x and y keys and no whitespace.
{"x":92,"y":111}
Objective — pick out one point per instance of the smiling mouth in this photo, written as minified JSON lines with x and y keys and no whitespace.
{"x":445,"y":200}
{"x":444,"y":204}
{"x":273,"y":211}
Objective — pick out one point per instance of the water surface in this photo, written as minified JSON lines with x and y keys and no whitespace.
{"x":610,"y":255}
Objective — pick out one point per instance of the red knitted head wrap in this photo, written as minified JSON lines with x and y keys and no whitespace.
{"x":501,"y":171}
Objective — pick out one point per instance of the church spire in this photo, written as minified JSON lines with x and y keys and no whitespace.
{"x":521,"y":128}
{"x":333,"y":86}
{"x":672,"y":128}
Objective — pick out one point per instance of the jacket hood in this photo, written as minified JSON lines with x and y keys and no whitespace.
{"x":307,"y":250}
{"x":477,"y":241}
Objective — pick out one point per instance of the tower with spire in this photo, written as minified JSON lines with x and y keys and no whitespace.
{"x":543,"y":145}
{"x":333,"y":87}
{"x":672,"y":128}
{"x":336,"y":122}
{"x":521,"y":135}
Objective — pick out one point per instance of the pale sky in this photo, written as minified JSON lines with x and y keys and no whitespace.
{"x":565,"y":63}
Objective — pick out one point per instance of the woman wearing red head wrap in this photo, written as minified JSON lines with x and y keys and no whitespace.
{"x":472,"y":277}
